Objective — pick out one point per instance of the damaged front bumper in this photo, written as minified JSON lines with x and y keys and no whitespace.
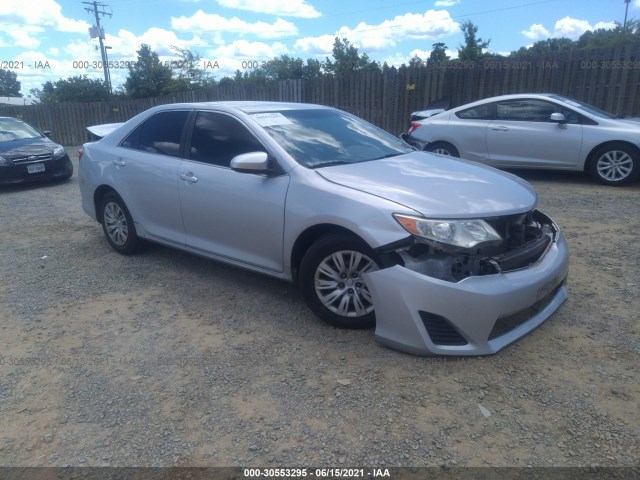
{"x":478,"y":315}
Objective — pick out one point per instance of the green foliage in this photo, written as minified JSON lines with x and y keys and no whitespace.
{"x":416,"y":62}
{"x":550,"y":45}
{"x":9,"y":84}
{"x":596,"y":39}
{"x":611,"y":38}
{"x":148,"y":77}
{"x":347,"y":60}
{"x":473,"y":46}
{"x":438,"y":53}
{"x":285,"y":67}
{"x":79,"y":88}
{"x":188,"y":74}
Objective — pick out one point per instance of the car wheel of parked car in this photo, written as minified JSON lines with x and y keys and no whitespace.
{"x":615,"y":164}
{"x":118,"y":225}
{"x":442,"y":148}
{"x":331,"y":281}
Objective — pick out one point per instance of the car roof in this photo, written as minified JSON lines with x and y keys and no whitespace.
{"x":246,"y":106}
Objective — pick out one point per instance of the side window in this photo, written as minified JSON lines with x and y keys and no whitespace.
{"x":531,"y":110}
{"x":217,"y":138}
{"x":481,"y":112}
{"x":160,"y":134}
{"x":132,"y":139}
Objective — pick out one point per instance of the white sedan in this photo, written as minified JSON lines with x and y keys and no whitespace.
{"x":544,"y":131}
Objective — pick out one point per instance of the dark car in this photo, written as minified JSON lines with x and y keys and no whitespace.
{"x":27,"y":154}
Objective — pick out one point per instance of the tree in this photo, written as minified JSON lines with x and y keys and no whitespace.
{"x":148,"y":77}
{"x":473,"y":46}
{"x":313,"y":69}
{"x":347,"y":60}
{"x":188,"y":73}
{"x":550,"y":45}
{"x":438,"y":53}
{"x":610,"y":38}
{"x":9,"y":84}
{"x":416,"y":62}
{"x":285,"y":67}
{"x":601,"y":38}
{"x":79,"y":88}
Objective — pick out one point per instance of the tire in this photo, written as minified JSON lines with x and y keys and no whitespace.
{"x":615,"y":164}
{"x":442,"y":148}
{"x":117,"y":224}
{"x":336,"y":292}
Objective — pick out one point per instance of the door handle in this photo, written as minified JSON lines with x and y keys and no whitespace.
{"x":119,"y":162}
{"x":501,"y":128}
{"x":188,"y":177}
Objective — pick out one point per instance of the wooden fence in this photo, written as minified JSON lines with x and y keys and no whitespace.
{"x":608,"y":79}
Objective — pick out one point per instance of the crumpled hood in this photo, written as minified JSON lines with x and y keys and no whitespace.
{"x":26,"y":147}
{"x":437,"y":186}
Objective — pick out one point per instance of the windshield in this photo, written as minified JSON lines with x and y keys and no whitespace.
{"x":584,"y":107}
{"x":16,"y":130}
{"x":323,"y":137}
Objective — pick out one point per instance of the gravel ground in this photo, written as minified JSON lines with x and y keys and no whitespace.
{"x":166,"y":359}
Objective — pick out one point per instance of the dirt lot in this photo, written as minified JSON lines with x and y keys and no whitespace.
{"x":168,"y":359}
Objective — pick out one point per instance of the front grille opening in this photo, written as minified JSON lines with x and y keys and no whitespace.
{"x":440,"y":330}
{"x":32,"y":158}
{"x":506,"y":324}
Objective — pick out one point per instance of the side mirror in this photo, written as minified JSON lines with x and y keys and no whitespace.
{"x":558,"y":118}
{"x":253,"y":162}
{"x":47,"y":133}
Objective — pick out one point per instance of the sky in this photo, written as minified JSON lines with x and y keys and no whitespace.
{"x":44,"y":40}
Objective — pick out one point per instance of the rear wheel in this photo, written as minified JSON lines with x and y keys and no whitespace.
{"x":615,"y":164}
{"x":442,"y":148}
{"x":332,"y":284}
{"x":117,"y":224}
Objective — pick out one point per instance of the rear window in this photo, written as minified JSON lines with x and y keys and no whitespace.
{"x":159,"y":134}
{"x":480,"y":112}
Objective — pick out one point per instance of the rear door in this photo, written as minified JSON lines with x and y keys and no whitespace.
{"x":145,"y":171}
{"x":522,"y":135}
{"x":238,"y":216}
{"x":467,"y":130}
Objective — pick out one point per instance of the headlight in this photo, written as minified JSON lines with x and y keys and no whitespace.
{"x":4,"y":162}
{"x":461,"y":233}
{"x":58,"y":151}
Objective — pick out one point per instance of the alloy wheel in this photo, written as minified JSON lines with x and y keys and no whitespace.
{"x":115,"y":222}
{"x":442,"y":151}
{"x":339,"y":284}
{"x":614,"y":165}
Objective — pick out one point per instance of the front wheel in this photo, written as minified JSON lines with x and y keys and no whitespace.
{"x":331,"y":281}
{"x":117,"y":224}
{"x":615,"y":164}
{"x":442,"y":148}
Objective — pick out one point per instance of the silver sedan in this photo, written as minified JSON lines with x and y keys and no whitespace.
{"x":535,"y":131}
{"x":444,"y":257}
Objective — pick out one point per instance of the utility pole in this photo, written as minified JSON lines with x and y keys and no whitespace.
{"x":626,"y":11}
{"x":95,"y":6}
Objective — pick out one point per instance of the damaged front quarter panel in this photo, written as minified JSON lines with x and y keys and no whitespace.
{"x":446,"y":302}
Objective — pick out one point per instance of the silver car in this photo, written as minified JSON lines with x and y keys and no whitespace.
{"x":443,"y":256}
{"x":535,"y":131}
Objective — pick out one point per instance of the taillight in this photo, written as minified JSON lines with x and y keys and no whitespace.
{"x":80,"y":152}
{"x":413,"y":127}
